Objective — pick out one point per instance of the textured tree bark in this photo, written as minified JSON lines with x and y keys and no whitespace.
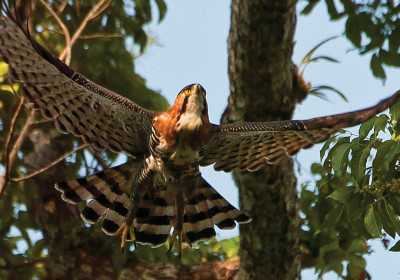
{"x":264,"y":86}
{"x":227,"y":270}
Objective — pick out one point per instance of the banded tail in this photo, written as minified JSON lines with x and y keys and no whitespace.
{"x":107,"y":197}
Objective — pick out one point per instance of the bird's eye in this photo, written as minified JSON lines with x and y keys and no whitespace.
{"x":187,"y":92}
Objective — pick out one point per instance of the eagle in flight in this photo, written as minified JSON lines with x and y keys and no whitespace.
{"x":160,"y":187}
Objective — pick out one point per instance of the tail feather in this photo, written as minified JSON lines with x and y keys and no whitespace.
{"x":118,"y":180}
{"x":153,"y":220}
{"x":115,"y":215}
{"x":196,"y":223}
{"x":98,"y":206}
{"x":206,"y":208}
{"x":107,"y":196}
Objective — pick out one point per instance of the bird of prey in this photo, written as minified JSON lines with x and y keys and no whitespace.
{"x":161,"y":187}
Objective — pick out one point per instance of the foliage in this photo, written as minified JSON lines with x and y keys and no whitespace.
{"x":357,"y":197}
{"x":319,"y":91}
{"x":103,"y":45}
{"x":211,"y":250}
{"x":371,"y":26}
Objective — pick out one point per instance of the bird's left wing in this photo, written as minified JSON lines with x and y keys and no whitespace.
{"x":248,"y":146}
{"x":101,"y":117}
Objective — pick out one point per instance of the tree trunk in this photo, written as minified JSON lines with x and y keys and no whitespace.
{"x":264,"y":87}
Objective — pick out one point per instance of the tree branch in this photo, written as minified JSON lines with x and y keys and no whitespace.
{"x":4,"y":179}
{"x":62,"y":6}
{"x":68,"y":43}
{"x":97,"y":156}
{"x":210,"y":271}
{"x":82,"y":146}
{"x":87,"y":37}
{"x":94,"y":12}
{"x":18,"y":143}
{"x":95,"y":36}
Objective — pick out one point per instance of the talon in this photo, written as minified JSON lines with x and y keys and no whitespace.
{"x":181,"y":238}
{"x":172,"y":241}
{"x":123,"y":230}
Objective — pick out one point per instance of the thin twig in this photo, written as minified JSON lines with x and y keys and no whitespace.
{"x":5,"y":178}
{"x":11,"y":132}
{"x":95,"y":36}
{"x":94,"y":12}
{"x":42,"y":121}
{"x":86,"y":37}
{"x":62,"y":7}
{"x":68,"y":44}
{"x":45,"y":27}
{"x":18,"y":143}
{"x":31,"y":8}
{"x":96,"y":155}
{"x":80,"y":147}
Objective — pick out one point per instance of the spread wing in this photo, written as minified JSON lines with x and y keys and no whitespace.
{"x":248,"y":146}
{"x":76,"y":104}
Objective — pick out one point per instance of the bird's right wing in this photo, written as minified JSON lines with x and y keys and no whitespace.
{"x":101,"y":117}
{"x":250,"y":145}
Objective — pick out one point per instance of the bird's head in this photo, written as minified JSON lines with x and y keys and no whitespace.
{"x":190,"y":106}
{"x":186,"y":123}
{"x":192,"y":100}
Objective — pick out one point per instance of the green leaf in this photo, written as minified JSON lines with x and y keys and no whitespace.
{"x":360,"y":153}
{"x":336,"y":266}
{"x":332,"y":218}
{"x":324,"y":57}
{"x":316,"y":90}
{"x":307,"y":9}
{"x":366,"y":128}
{"x":376,"y":67}
{"x":395,"y":112}
{"x":356,"y":266}
{"x":340,"y":158}
{"x":36,"y":250}
{"x":391,"y":59}
{"x":330,"y":247}
{"x":353,"y":31}
{"x":341,"y":194}
{"x":358,"y":246}
{"x":228,"y":247}
{"x":330,"y":4}
{"x":372,"y":223}
{"x":316,"y":168}
{"x":378,"y":163}
{"x":325,"y":147}
{"x":391,"y":216}
{"x":380,"y":124}
{"x":307,"y":58}
{"x":393,"y":152}
{"x":162,"y":9}
{"x":396,"y":247}
{"x":386,"y":222}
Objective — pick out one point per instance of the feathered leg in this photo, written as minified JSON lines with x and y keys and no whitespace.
{"x":183,"y":186}
{"x":143,"y":179}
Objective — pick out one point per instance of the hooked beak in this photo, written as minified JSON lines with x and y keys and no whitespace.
{"x":199,"y":89}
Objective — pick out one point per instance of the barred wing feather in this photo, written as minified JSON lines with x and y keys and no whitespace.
{"x":101,"y":117}
{"x":249,"y":145}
